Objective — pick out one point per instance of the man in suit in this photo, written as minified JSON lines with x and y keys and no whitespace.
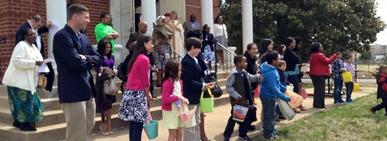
{"x":35,"y":23}
{"x":192,"y":74}
{"x":75,"y":58}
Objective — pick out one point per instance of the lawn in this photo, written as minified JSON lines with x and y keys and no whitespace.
{"x":348,"y":122}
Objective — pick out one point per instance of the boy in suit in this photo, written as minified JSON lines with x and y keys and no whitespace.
{"x":192,"y":74}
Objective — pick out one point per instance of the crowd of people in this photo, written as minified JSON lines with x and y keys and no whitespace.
{"x":260,"y":67}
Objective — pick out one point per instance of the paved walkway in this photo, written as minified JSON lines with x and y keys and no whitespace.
{"x":216,"y":121}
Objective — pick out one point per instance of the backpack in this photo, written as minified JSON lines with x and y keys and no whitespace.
{"x":122,"y":69}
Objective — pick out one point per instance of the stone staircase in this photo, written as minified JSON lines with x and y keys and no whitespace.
{"x":53,"y":126}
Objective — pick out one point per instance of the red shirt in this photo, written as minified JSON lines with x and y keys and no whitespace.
{"x":319,"y":64}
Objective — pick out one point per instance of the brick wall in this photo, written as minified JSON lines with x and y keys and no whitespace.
{"x":16,"y":12}
{"x":193,"y":8}
{"x":96,"y":7}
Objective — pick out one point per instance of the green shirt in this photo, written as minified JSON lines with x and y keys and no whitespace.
{"x":101,"y":31}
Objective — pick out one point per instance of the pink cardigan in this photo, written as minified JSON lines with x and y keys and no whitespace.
{"x":138,"y":77}
{"x":167,"y":97}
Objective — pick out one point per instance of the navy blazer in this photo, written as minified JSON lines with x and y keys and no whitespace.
{"x":191,"y":75}
{"x":75,"y":82}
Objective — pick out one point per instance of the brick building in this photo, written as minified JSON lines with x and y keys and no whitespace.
{"x":16,"y":12}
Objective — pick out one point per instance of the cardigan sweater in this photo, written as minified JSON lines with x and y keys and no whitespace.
{"x":167,"y":96}
{"x":22,"y":71}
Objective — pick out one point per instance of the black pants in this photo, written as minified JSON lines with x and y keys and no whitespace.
{"x":135,"y":131}
{"x":381,"y":105}
{"x":319,"y":91}
{"x":151,"y":83}
{"x":294,"y":80}
{"x":243,"y":126}
{"x":349,"y":89}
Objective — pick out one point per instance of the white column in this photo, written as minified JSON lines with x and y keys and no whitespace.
{"x":148,"y":14}
{"x":247,"y":22}
{"x":207,"y":13}
{"x":56,"y":11}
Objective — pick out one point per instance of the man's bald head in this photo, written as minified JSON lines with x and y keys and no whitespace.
{"x":142,"y":26}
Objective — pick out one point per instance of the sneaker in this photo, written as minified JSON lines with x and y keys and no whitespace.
{"x":251,"y":128}
{"x":245,"y":138}
{"x":348,"y":101}
{"x":273,"y":137}
{"x":372,"y":110}
{"x":226,"y":139}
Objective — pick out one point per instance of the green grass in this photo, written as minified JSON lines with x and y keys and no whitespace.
{"x":351,"y":122}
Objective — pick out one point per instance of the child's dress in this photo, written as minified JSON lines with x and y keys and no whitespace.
{"x":172,"y":118}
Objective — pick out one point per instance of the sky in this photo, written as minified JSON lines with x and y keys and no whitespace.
{"x":382,"y":36}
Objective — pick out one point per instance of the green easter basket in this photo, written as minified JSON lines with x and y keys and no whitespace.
{"x":206,"y":104}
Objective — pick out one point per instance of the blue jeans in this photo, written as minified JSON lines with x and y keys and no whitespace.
{"x":135,"y":130}
{"x":349,"y":89}
{"x":337,"y":91}
{"x":268,"y":106}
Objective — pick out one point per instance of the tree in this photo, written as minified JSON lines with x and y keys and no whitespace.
{"x":340,"y":25}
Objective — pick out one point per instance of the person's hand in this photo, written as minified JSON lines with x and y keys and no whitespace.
{"x":291,"y":99}
{"x":38,"y":63}
{"x":210,"y":85}
{"x":83,"y":57}
{"x":115,"y":35}
{"x":237,"y":101}
{"x":184,"y":100}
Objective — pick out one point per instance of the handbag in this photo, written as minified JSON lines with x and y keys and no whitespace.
{"x":109,"y":87}
{"x":216,"y":90}
{"x":239,"y":113}
{"x":42,"y":80}
{"x":285,"y":109}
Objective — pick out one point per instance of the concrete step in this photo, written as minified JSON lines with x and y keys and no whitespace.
{"x":55,"y":116}
{"x":58,"y":131}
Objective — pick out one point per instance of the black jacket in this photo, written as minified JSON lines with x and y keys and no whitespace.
{"x":208,"y":39}
{"x":191,"y":75}
{"x":291,"y":59}
{"x":251,"y":68}
{"x":75,"y":81}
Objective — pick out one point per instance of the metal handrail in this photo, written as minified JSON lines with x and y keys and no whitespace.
{"x":178,"y":55}
{"x":227,"y":54}
{"x":225,"y":48}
